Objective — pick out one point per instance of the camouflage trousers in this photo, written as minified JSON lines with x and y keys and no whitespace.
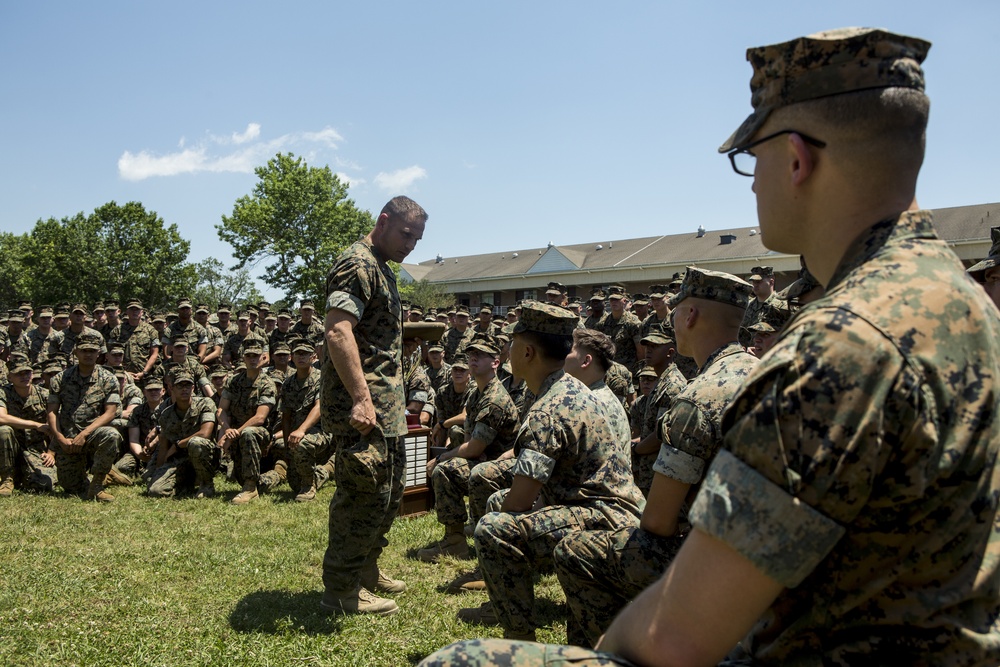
{"x":307,"y":459}
{"x":246,"y":452}
{"x":602,"y":571}
{"x":370,"y":472}
{"x":101,"y":448}
{"x":450,"y":481}
{"x":486,"y":479}
{"x":24,"y":463}
{"x":512,"y":546}
{"x":164,"y":481}
{"x":642,"y":471}
{"x":203,"y":455}
{"x":486,"y":652}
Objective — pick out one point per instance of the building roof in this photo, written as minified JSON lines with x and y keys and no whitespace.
{"x":967,"y":228}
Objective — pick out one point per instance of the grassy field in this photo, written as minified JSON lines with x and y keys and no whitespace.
{"x":184,"y":582}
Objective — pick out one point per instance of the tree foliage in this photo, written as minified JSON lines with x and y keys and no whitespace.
{"x":218,"y":285}
{"x":298,"y":218}
{"x":117,"y":252}
{"x":426,"y":294}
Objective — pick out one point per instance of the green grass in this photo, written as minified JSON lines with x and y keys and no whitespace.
{"x":152,"y":582}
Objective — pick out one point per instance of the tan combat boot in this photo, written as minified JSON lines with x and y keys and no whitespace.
{"x":469,"y":582}
{"x":273,"y":478}
{"x":306,"y":493}
{"x":484,"y":614}
{"x":7,"y":486}
{"x":205,"y":491}
{"x":375,"y":580}
{"x":97,"y":492}
{"x":452,"y":544}
{"x":358,"y":601}
{"x":114,"y":477}
{"x":248,"y":493}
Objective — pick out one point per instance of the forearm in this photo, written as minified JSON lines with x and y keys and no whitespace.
{"x":346,"y":359}
{"x":648,"y":445}
{"x":154,"y":354}
{"x":472,"y":449}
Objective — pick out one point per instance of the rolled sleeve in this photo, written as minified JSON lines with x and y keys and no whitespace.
{"x":675,"y":464}
{"x":347,"y":303}
{"x":419,"y":396}
{"x":485,"y":433}
{"x":534,"y":465}
{"x":782,"y":536}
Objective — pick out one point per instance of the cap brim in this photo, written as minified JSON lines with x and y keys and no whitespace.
{"x":744,"y":133}
{"x":674,"y":300}
{"x":978,"y":271}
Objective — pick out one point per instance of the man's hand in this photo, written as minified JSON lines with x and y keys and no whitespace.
{"x":80,"y":440}
{"x":229,"y":435}
{"x":66,"y":444}
{"x":48,"y":459}
{"x":363,"y":416}
{"x":42,"y":427}
{"x":295,"y":437}
{"x":430,"y":467}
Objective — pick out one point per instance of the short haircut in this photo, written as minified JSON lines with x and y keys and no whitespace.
{"x":404,"y":208}
{"x":597,"y":344}
{"x":552,"y":346}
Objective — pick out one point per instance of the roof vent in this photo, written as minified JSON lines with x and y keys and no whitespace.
{"x":439,"y":260}
{"x":599,"y":247}
{"x":701,"y":231}
{"x":550,"y":244}
{"x":514,"y":255}
{"x":456,"y":261}
{"x":611,"y":244}
{"x":753,"y":232}
{"x":726,"y":239}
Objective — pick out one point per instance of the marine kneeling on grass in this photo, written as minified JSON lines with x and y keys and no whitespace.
{"x":24,"y":433}
{"x":81,"y":405}
{"x":185,"y":455}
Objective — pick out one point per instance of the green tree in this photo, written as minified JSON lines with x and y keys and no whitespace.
{"x":13,"y":278}
{"x":426,"y":294}
{"x":299,"y":219}
{"x":116,"y":252}
{"x":216,"y":284}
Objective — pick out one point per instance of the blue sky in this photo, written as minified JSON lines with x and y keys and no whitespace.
{"x":514,"y":124}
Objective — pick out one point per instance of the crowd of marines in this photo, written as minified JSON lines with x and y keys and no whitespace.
{"x":802,"y":476}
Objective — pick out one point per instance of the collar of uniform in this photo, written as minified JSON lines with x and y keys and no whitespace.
{"x":547,"y":383}
{"x":907,"y":226}
{"x":375,"y":253}
{"x":724,"y":351}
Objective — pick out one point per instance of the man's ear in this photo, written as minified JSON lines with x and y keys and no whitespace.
{"x":801,"y":159}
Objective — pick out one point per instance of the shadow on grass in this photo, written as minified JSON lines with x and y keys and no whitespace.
{"x":283,"y":612}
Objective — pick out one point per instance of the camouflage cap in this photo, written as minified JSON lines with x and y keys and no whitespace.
{"x":270,"y":317}
{"x":98,"y":307}
{"x":18,"y":363}
{"x":218,"y":371}
{"x":775,"y":316}
{"x":978,"y":271}
{"x":224,"y":307}
{"x":264,"y":305}
{"x":81,"y":307}
{"x":760,"y":327}
{"x":281,"y":348}
{"x":302,"y":345}
{"x":647,"y":372}
{"x":675,"y":282}
{"x":485,"y":307}
{"x":640,"y":299}
{"x":154,"y":383}
{"x":658,"y":335}
{"x":461,"y":361}
{"x":158,"y":317}
{"x":417,"y":309}
{"x":597,"y":294}
{"x":45,"y":311}
{"x":116,"y":347}
{"x":436,"y":347}
{"x":133,"y":303}
{"x":183,"y":303}
{"x":546,"y":318}
{"x":827,"y":63}
{"x":761,"y":272}
{"x":179,"y":339}
{"x":805,"y":283}
{"x":203,"y":308}
{"x":657,"y":291}
{"x":15,"y":316}
{"x":53,"y":366}
{"x":243,"y":315}
{"x":181,"y":375}
{"x":714,"y":286}
{"x":555,"y":288}
{"x":110,"y":305}
{"x":252,"y":346}
{"x":285,"y":313}
{"x":483,"y":342}
{"x":88,"y":341}
{"x":617,"y":292}
{"x":24,"y":304}
{"x":461,"y":309}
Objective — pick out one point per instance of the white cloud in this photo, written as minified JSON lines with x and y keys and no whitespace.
{"x":252,"y":132}
{"x":401,"y":180}
{"x":206,"y":155}
{"x":350,"y":180}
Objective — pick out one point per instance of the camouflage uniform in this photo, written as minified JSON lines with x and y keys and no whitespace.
{"x":138,"y":342}
{"x":297,"y":399}
{"x":21,"y":449}
{"x":488,"y":652}
{"x":617,"y":418}
{"x":619,"y":380}
{"x":455,"y":342}
{"x":79,"y":401}
{"x":601,"y":571}
{"x":439,"y":377}
{"x":448,"y":403}
{"x":567,"y":444}
{"x":62,"y":343}
{"x":490,"y":417}
{"x":520,"y":394}
{"x":197,"y":371}
{"x":313,"y":332}
{"x":37,"y":344}
{"x":245,"y":396}
{"x":863,"y":448}
{"x":194,"y":333}
{"x":190,"y":466}
{"x":234,"y":345}
{"x":370,"y":470}
{"x":624,"y":332}
{"x":144,"y":418}
{"x":670,"y":383}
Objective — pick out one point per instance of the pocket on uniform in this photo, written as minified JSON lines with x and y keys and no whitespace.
{"x":364,"y":466}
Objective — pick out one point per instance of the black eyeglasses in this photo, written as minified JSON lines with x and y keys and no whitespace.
{"x":744,"y":161}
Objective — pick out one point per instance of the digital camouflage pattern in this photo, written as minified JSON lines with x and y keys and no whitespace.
{"x":861,"y":464}
{"x":298,"y":396}
{"x":162,"y":372}
{"x":567,"y":444}
{"x":449,"y":402}
{"x":190,"y":464}
{"x":827,"y":63}
{"x":668,"y":386}
{"x":439,"y":377}
{"x":978,"y":270}
{"x":193,"y":333}
{"x":488,"y":652}
{"x":62,"y":343}
{"x":713,"y":286}
{"x":32,"y":408}
{"x":362,"y":284}
{"x":619,"y":380}
{"x":624,"y":332}
{"x":21,"y":449}
{"x":455,"y":342}
{"x":37,"y":343}
{"x":138,"y":342}
{"x":313,"y":332}
{"x":246,"y":395}
{"x":617,"y":418}
{"x":234,"y":345}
